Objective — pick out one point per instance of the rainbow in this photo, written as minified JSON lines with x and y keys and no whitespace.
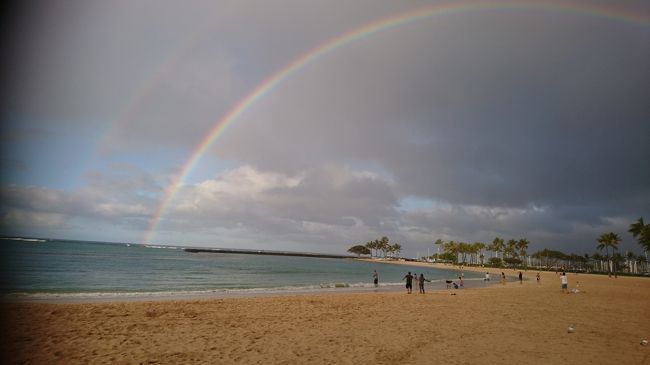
{"x":455,"y":7}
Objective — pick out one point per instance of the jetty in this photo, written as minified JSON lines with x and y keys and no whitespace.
{"x":265,"y":252}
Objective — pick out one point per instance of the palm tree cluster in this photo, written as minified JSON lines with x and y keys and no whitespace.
{"x":461,"y":252}
{"x":512,"y":252}
{"x":631,"y":263}
{"x":605,"y":241}
{"x":552,"y":259}
{"x":597,"y":262}
{"x":384,"y":247}
{"x":610,"y":261}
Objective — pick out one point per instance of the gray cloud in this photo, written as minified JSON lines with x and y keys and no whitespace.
{"x":514,"y":112}
{"x":328,"y":206}
{"x":162,"y":72}
{"x":321,"y":209}
{"x":517,"y":123}
{"x":324,"y":204}
{"x":122,"y":198}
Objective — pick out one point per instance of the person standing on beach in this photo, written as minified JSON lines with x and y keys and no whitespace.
{"x":538,"y":278}
{"x":462,"y":282}
{"x":503,"y":278}
{"x":421,"y":281}
{"x":487,"y":276}
{"x":565,"y":283}
{"x":521,"y":278}
{"x":375,"y":278}
{"x":409,"y":282}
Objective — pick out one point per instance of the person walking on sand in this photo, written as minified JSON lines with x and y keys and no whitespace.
{"x":487,"y":276}
{"x":409,"y":282}
{"x":503,"y":278}
{"x":421,"y":281}
{"x":565,"y":283}
{"x":538,"y":278}
{"x":521,"y":278}
{"x":462,"y":282}
{"x":375,"y":278}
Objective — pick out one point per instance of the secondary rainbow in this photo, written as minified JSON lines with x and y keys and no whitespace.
{"x":361,"y":32}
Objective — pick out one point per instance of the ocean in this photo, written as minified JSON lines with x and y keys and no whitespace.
{"x":38,"y":269}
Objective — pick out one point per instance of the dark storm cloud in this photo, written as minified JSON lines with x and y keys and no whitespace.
{"x":156,"y":68}
{"x":537,"y":109}
{"x":518,"y":123}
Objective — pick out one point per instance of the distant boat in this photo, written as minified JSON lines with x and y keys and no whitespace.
{"x":128,"y":245}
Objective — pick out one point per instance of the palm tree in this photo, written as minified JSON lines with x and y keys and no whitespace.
{"x":439,"y":243}
{"x":598,"y":259}
{"x":378,"y":247}
{"x":464,"y":249}
{"x":641,"y":232}
{"x":388,"y":251}
{"x":587,"y":259}
{"x":549,"y":258}
{"x":607,"y":240}
{"x":492,"y":248}
{"x":522,"y":247}
{"x":618,"y":261}
{"x":498,"y":245}
{"x":452,"y":247}
{"x":372,"y":246}
{"x":478,"y":248}
{"x":472,"y":249}
{"x":397,"y":248}
{"x":383,"y":243}
{"x":642,"y":261}
{"x":631,"y":262}
{"x":510,"y":249}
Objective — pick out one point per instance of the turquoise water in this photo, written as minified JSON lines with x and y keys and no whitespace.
{"x":73,"y":268}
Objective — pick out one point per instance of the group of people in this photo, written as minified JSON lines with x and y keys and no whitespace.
{"x":461,"y":282}
{"x":409,"y":282}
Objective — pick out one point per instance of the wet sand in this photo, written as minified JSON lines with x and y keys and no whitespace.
{"x":514,"y":323}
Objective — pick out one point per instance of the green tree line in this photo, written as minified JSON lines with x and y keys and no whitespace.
{"x":514,"y":253}
{"x":377,"y":248}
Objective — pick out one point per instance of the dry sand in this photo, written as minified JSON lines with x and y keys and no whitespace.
{"x":522,"y":324}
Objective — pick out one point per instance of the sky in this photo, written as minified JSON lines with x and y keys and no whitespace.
{"x":512,"y":120}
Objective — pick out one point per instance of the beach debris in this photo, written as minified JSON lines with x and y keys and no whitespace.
{"x":644,"y":342}
{"x":571,"y":328}
{"x":575,"y":291}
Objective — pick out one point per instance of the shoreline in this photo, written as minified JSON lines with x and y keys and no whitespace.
{"x":397,"y":288}
{"x":90,"y":298}
{"x":218,"y":294}
{"x":252,"y":293}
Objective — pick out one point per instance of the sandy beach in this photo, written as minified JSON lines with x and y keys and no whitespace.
{"x":514,"y":323}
